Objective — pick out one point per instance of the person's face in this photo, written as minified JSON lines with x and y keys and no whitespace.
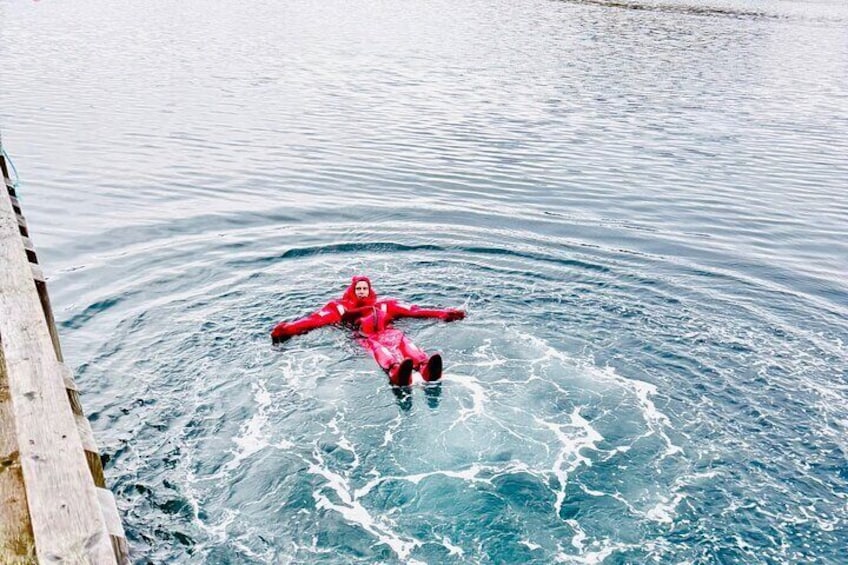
{"x":361,"y":289}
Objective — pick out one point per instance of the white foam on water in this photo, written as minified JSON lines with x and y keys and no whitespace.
{"x":252,"y":438}
{"x":654,"y":418}
{"x":593,"y":557}
{"x":478,"y":399}
{"x":300,"y":367}
{"x":578,"y":435}
{"x":246,"y":549}
{"x":522,"y":439}
{"x":389,"y":434}
{"x":829,"y":397}
{"x":354,"y":512}
{"x":614,"y":495}
{"x":573,"y":438}
{"x":225,"y":518}
{"x":486,"y":355}
{"x":343,"y":442}
{"x":530,"y":545}
{"x":811,"y":514}
{"x":666,"y":509}
{"x":452,"y":549}
{"x":570,"y":456}
{"x":313,"y":548}
{"x":579,"y":534}
{"x":470,"y":475}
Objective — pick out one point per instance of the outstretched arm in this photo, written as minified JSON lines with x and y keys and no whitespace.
{"x":326,"y":316}
{"x":398,"y":310}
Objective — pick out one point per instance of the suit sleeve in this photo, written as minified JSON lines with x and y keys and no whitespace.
{"x":399,"y":310}
{"x":326,"y":316}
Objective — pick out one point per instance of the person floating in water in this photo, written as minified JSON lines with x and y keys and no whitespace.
{"x":372,"y":316}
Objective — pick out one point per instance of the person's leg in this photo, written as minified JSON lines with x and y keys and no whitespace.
{"x":384,"y":356}
{"x":384,"y":348}
{"x":412,"y":351}
{"x":430,"y":367}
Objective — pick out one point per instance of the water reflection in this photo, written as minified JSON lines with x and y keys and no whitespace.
{"x":433,"y":394}
{"x":403,"y":395}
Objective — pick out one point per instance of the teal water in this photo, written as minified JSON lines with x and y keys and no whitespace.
{"x":642,"y":206}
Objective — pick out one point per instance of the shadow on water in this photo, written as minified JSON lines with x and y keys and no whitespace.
{"x":403,"y":395}
{"x":432,"y":394}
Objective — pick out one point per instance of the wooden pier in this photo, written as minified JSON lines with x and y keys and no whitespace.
{"x":54,"y":504}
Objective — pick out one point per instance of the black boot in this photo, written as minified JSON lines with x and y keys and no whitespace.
{"x":401,"y":374}
{"x":433,"y":370}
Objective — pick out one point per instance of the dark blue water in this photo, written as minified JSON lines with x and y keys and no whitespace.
{"x":642,"y":206}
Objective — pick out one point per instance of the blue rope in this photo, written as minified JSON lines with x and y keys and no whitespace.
{"x":17,"y":181}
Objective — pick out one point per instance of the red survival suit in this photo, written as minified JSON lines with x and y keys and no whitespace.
{"x":392,"y":350}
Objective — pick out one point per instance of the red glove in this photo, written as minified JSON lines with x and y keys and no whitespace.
{"x":452,"y":315}
{"x":280,"y":333}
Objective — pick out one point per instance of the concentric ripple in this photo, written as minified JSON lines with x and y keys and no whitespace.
{"x":596,"y":402}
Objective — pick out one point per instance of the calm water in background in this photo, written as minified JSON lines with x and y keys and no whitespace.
{"x":643,"y":208}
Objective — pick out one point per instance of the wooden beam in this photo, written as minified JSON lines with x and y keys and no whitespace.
{"x":47,"y":309}
{"x":37,"y":273}
{"x":64,"y":508}
{"x":22,"y":226}
{"x":114,"y":526}
{"x":17,"y":544}
{"x":16,"y":206}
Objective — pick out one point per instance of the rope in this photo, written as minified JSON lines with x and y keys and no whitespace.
{"x":17,"y":181}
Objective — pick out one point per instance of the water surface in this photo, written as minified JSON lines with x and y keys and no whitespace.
{"x":640,"y":204}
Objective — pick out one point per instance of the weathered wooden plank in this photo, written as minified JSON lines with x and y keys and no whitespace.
{"x":74,"y":400}
{"x":16,"y":541}
{"x":114,"y":526}
{"x":16,"y":206}
{"x":92,"y":454}
{"x":95,"y":466}
{"x":110,"y":512}
{"x":67,"y":521}
{"x":22,"y":225}
{"x":17,"y":544}
{"x":68,"y":379}
{"x":47,"y":309}
{"x":37,"y":273}
{"x":30,"y":250}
